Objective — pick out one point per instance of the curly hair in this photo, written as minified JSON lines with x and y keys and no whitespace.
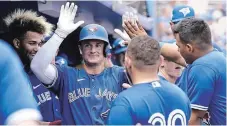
{"x":21,"y":21}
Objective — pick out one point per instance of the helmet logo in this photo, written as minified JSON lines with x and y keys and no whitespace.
{"x":185,"y":11}
{"x":93,"y":29}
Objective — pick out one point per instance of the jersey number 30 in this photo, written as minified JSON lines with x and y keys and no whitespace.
{"x":173,"y":116}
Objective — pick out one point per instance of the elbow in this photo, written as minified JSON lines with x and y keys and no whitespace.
{"x":196,"y":117}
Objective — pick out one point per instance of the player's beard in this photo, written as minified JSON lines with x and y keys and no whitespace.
{"x":24,"y":56}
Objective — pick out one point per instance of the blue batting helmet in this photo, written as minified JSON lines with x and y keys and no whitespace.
{"x":181,"y":12}
{"x":118,"y":46}
{"x":94,"y":31}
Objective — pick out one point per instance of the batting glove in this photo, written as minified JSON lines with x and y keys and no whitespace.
{"x":66,"y":23}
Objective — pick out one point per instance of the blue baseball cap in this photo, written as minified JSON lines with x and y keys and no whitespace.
{"x":118,"y":46}
{"x":181,"y":12}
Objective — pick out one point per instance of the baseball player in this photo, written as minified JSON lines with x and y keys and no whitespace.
{"x":17,"y":103}
{"x":119,"y":49}
{"x":169,"y":70}
{"x":203,"y":80}
{"x":181,"y":12}
{"x":202,"y":59}
{"x":26,"y":32}
{"x":148,"y":101}
{"x":87,"y":93}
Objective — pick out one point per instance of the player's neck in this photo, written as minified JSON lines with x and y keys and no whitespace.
{"x":200,"y":53}
{"x":94,"y":69}
{"x":144,"y":77}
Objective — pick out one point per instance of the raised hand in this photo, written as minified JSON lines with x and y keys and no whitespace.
{"x":66,"y":23}
{"x":134,"y":30}
{"x":123,"y":35}
{"x":128,"y":16}
{"x":131,"y":26}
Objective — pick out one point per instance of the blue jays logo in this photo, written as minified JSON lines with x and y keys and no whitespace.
{"x":93,"y":29}
{"x":185,"y":11}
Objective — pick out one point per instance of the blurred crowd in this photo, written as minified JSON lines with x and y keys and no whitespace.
{"x":213,"y":12}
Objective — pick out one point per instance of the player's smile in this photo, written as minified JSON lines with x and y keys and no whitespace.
{"x":93,"y":56}
{"x":178,"y":67}
{"x":31,"y":55}
{"x":178,"y":70}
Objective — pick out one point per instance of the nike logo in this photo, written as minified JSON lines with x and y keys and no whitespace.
{"x":34,"y":87}
{"x":80,"y":79}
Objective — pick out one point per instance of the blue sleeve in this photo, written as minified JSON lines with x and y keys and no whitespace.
{"x":200,"y":86}
{"x":15,"y":92}
{"x":58,"y":85}
{"x":119,"y":113}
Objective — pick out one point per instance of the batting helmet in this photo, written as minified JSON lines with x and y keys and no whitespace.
{"x":118,"y":46}
{"x":94,"y":31}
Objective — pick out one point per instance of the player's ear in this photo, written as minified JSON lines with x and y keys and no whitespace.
{"x":189,"y":48}
{"x":16,"y":43}
{"x":161,"y":61}
{"x":171,"y":24}
{"x":127,"y":61}
{"x":79,"y":46}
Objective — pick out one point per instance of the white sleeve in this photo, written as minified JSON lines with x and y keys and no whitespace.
{"x":41,"y":63}
{"x":23,"y":115}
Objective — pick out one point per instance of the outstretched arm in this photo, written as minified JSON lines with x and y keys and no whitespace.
{"x":169,"y":51}
{"x":41,"y":63}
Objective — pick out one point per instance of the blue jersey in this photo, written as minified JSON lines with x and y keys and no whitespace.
{"x":204,"y":81}
{"x":15,"y":94}
{"x":84,"y":98}
{"x":48,"y":102}
{"x":161,"y":77}
{"x":154,"y":103}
